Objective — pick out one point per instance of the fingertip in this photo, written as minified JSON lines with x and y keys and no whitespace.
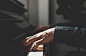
{"x":35,"y":46}
{"x":33,"y":50}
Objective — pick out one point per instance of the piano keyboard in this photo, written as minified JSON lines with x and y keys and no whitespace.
{"x":37,"y":53}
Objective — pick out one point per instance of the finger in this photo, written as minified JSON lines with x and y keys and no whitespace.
{"x":26,"y":40}
{"x":36,"y":44}
{"x":32,"y":40}
{"x":34,"y":47}
{"x":29,"y":47}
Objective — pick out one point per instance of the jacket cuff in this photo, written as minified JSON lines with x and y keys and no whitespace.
{"x":63,"y":34}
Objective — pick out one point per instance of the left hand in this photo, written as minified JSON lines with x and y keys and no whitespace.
{"x":40,"y":28}
{"x":40,"y":38}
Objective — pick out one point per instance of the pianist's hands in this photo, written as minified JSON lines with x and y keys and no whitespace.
{"x":38,"y":39}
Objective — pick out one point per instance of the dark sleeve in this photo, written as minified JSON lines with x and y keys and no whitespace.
{"x":72,"y":36}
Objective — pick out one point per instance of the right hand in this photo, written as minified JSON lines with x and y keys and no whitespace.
{"x":38,"y":39}
{"x":41,"y":28}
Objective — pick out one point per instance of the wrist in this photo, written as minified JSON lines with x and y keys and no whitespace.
{"x":50,"y":30}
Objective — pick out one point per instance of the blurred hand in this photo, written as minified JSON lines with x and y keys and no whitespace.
{"x":38,"y":39}
{"x":41,"y":28}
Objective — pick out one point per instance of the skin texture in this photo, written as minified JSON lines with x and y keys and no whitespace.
{"x":38,"y":39}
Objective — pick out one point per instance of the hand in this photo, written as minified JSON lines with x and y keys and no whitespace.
{"x":41,"y":28}
{"x":38,"y":39}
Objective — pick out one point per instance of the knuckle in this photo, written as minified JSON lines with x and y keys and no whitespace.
{"x":36,"y":43}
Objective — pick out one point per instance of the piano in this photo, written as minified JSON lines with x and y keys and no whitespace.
{"x":14,"y":27}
